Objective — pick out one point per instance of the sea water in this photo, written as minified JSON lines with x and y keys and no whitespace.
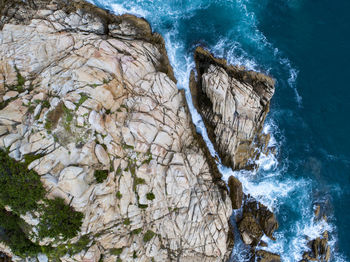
{"x":304,"y":45}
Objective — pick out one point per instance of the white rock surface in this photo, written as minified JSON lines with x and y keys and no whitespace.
{"x":133,"y":120}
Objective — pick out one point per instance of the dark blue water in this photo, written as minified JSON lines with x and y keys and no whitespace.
{"x":304,"y":45}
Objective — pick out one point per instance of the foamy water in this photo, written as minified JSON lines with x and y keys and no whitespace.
{"x":271,"y":184}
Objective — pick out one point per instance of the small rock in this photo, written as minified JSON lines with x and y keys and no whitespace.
{"x":102,"y":155}
{"x":10,"y":94}
{"x":265,"y":256}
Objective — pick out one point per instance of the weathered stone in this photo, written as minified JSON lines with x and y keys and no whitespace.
{"x":107,"y":100}
{"x":233,"y":103}
{"x":236,"y":192}
{"x":250,"y":230}
{"x":265,"y":256}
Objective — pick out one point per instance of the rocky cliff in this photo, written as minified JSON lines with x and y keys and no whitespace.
{"x":233,"y":103}
{"x":89,"y":100}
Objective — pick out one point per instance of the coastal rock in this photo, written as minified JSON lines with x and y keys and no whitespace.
{"x":236,"y":192}
{"x":265,"y":256}
{"x":266,"y":219}
{"x":107,"y":99}
{"x":233,"y":103}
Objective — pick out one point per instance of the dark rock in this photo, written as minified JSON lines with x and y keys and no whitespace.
{"x":236,"y":192}
{"x":250,"y":230}
{"x":266,"y":219}
{"x":265,"y":256}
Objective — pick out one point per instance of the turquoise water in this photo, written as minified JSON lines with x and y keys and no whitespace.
{"x":304,"y":46}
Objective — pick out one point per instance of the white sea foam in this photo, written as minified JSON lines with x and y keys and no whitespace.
{"x":270,"y":184}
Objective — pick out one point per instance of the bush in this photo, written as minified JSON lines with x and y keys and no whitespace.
{"x":14,"y":237}
{"x":148,"y":235}
{"x":59,"y":219}
{"x":150,"y":196}
{"x":20,"y":188}
{"x":100,"y":175}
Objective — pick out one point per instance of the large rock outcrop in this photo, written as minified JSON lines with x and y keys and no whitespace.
{"x":233,"y":103}
{"x":88,"y":91}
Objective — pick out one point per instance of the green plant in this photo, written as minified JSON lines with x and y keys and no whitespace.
{"x":46,"y":104}
{"x":127,"y":221}
{"x":13,"y":235}
{"x":119,"y":195}
{"x":58,"y":219}
{"x":150,"y":196}
{"x":20,"y":188}
{"x":29,"y":158}
{"x":20,"y":81}
{"x":148,"y":235}
{"x":116,"y":251}
{"x":142,"y":206}
{"x":136,"y":231}
{"x":83,"y":98}
{"x":100,"y":175}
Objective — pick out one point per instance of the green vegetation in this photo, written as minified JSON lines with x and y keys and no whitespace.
{"x":54,"y":253}
{"x":83,"y":98}
{"x":68,"y":117}
{"x":29,"y":158}
{"x":136,"y":231}
{"x":14,"y":236}
{"x":46,"y":104}
{"x":59,"y":219}
{"x":126,"y":146}
{"x":101,"y":175}
{"x":148,"y":235}
{"x":150,"y":196}
{"x":116,"y":251}
{"x":142,"y":206}
{"x":139,"y":181}
{"x":149,"y":158}
{"x":20,"y":188}
{"x":119,"y":195}
{"x":127,"y":221}
{"x":20,"y":81}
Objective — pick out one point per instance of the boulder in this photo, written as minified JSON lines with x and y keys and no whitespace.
{"x":233,"y":103}
{"x":265,"y":256}
{"x":236,"y":192}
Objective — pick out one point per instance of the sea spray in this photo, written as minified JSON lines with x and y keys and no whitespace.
{"x":241,"y":43}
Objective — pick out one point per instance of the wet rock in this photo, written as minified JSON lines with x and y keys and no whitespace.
{"x":266,"y":219}
{"x":250,"y":230}
{"x":265,"y":256}
{"x":233,"y":103}
{"x":236,"y":192}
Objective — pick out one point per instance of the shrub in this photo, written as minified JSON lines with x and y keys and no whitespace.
{"x":100,"y":175}
{"x":150,"y":196}
{"x":116,"y":251}
{"x":14,"y":237}
{"x":148,"y":235}
{"x":58,"y":219}
{"x":20,"y":188}
{"x":119,"y":195}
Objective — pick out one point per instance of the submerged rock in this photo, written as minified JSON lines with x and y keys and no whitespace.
{"x":98,"y":104}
